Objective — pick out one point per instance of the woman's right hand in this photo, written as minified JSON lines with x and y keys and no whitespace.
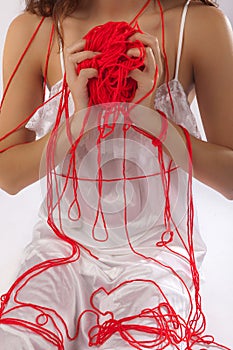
{"x":77,"y":83}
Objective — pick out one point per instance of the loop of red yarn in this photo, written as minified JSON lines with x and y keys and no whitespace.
{"x":113,"y":64}
{"x":165,"y":328}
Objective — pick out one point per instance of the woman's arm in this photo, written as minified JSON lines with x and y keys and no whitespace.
{"x":211,"y":50}
{"x":24,"y":162}
{"x":208,"y":36}
{"x":19,"y":165}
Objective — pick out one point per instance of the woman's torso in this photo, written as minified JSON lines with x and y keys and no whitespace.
{"x":145,"y":192}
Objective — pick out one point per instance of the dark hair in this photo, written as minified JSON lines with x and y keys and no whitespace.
{"x":63,"y":8}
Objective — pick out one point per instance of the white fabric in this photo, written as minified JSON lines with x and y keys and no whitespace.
{"x":181,"y":38}
{"x":68,"y":288}
{"x":131,"y":284}
{"x":61,"y":53}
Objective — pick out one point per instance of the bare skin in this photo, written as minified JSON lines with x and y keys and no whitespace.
{"x":206,"y":69}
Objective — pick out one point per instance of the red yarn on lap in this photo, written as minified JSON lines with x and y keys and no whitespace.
{"x":165,"y":328}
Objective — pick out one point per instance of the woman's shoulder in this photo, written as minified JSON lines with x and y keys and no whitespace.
{"x":26,"y":22}
{"x":206,"y":27}
{"x":202,"y":21}
{"x":28,"y":27}
{"x":197,"y":10}
{"x":26,"y":30}
{"x":204,"y":13}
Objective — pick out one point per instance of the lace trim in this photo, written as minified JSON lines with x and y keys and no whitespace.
{"x":43,"y":120}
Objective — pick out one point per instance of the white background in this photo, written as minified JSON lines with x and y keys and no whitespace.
{"x":18,"y":215}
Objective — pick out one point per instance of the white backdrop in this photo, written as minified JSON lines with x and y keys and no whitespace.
{"x":18,"y":215}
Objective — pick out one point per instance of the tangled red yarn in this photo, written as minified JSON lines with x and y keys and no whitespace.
{"x":168,"y":328}
{"x":113,"y":63}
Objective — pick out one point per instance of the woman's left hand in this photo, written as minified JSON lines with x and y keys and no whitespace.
{"x":153,"y":74}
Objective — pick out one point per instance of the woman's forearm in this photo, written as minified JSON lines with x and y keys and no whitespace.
{"x":212,"y":164}
{"x":26,"y":163}
{"x":20,"y":165}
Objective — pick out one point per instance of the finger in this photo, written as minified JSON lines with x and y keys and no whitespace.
{"x":69,"y":64}
{"x":144,"y":84}
{"x":82,"y":56}
{"x":137,"y":75}
{"x":159,"y":58}
{"x":73,"y":58}
{"x":76,"y":47}
{"x":85,"y":75}
{"x":146,"y":39}
{"x":150,"y":62}
{"x":152,"y":42}
{"x":134,"y":52}
{"x":81,"y":92}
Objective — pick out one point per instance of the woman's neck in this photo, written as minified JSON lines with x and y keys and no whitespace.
{"x":116,"y":10}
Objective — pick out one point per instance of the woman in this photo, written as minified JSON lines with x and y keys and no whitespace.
{"x":74,"y":290}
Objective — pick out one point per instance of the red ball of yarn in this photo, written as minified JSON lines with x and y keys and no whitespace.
{"x":113,"y":64}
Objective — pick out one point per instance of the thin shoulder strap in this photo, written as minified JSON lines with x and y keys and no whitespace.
{"x":61,"y":53}
{"x":62,"y":61}
{"x":181,"y":38}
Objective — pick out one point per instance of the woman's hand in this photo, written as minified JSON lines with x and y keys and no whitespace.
{"x":78,"y":82}
{"x":153,"y":74}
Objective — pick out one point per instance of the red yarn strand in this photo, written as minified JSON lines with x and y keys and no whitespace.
{"x":112,"y":91}
{"x":20,"y":61}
